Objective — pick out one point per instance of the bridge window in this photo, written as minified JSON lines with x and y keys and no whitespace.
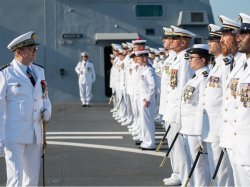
{"x":149,"y":10}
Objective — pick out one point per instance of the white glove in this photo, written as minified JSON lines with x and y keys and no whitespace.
{"x":200,"y":142}
{"x":45,"y":114}
{"x":2,"y":154}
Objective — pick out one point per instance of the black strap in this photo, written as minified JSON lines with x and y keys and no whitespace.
{"x":245,"y":65}
{"x":232,"y":65}
{"x":32,"y":80}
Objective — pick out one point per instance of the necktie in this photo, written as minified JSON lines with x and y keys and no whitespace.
{"x":232,"y":65}
{"x":245,"y":65}
{"x":29,"y":73}
{"x":194,"y":75}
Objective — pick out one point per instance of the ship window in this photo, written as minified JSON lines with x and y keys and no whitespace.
{"x":198,"y":41}
{"x":150,"y":31}
{"x":197,"y":17}
{"x":149,"y":10}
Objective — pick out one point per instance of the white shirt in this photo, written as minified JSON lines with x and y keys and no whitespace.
{"x":86,"y":72}
{"x":229,"y":99}
{"x":211,"y":102}
{"x":146,"y":85}
{"x":190,"y":112}
{"x":180,"y":73}
{"x":21,"y":104}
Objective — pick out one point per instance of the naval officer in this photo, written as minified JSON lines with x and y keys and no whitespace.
{"x":165,"y":75}
{"x":233,"y":73}
{"x":86,"y":73}
{"x":180,"y":72}
{"x":190,"y":113}
{"x":23,"y":100}
{"x":146,"y":100}
{"x":211,"y":105}
{"x":241,"y":141}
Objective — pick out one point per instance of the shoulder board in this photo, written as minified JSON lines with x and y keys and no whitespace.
{"x":227,"y":60}
{"x":205,"y":74}
{"x":186,"y":56}
{"x":4,"y":66}
{"x":38,"y":65}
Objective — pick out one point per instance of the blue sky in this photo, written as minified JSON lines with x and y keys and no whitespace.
{"x":229,"y":8}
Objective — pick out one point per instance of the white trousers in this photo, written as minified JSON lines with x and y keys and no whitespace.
{"x":225,"y":174}
{"x":129,"y":107}
{"x":242,"y":175}
{"x":201,"y":174}
{"x":123,"y":106}
{"x":121,"y":103}
{"x":22,"y":164}
{"x":163,"y":101}
{"x":85,"y":93}
{"x":147,"y":131}
{"x":177,"y":155}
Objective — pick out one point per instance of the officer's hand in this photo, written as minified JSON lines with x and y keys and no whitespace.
{"x":146,"y":103}
{"x":45,"y":114}
{"x":200,"y":142}
{"x":2,"y":154}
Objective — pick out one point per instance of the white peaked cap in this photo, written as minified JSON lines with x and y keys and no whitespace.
{"x":176,"y":31}
{"x":228,"y":24}
{"x":22,"y":41}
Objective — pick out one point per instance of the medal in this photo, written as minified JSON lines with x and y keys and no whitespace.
{"x":173,"y":78}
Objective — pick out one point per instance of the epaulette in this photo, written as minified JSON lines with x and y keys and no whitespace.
{"x":186,"y":56}
{"x":4,"y":66}
{"x":38,"y":65}
{"x":205,"y":73}
{"x":228,"y":60}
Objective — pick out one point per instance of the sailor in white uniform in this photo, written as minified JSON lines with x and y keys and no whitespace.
{"x":180,"y":73}
{"x":233,"y":73}
{"x":189,"y":116}
{"x":146,"y":100}
{"x":170,"y":55}
{"x":241,"y":141}
{"x":135,"y":128}
{"x":211,"y":106}
{"x":23,"y":100}
{"x":165,"y":76}
{"x":86,"y":73}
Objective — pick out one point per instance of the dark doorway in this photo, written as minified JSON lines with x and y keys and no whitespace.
{"x":107,"y":67}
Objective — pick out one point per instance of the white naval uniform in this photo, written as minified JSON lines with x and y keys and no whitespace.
{"x":115,"y":81}
{"x":86,"y":72}
{"x":228,"y":110}
{"x":136,"y":76}
{"x":21,"y":129}
{"x":121,"y":88}
{"x":228,"y":114}
{"x":157,"y":65}
{"x":165,"y":78}
{"x":191,"y":127}
{"x":128,"y":109}
{"x":129,"y":90}
{"x":146,"y":91}
{"x":240,"y":139}
{"x":112,"y":84}
{"x":211,"y":106}
{"x":183,"y":73}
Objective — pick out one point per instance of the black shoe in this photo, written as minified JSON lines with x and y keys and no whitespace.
{"x":88,"y":106}
{"x":144,"y":148}
{"x":138,"y":142}
{"x":84,"y":105}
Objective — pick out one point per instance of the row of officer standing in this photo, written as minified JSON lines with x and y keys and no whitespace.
{"x":199,"y":93}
